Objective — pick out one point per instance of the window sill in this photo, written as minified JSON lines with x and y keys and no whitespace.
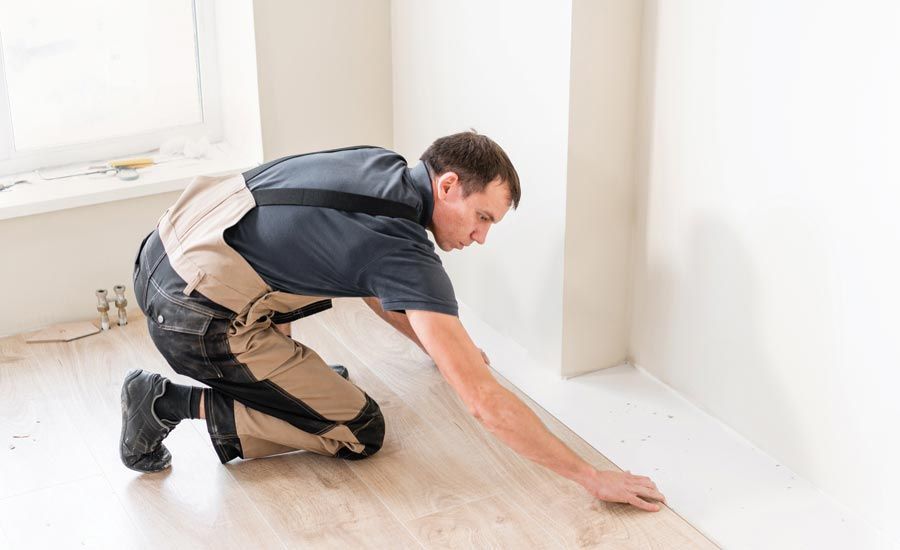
{"x":41,"y":196}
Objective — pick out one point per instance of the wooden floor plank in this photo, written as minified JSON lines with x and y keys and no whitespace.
{"x":440,"y":481}
{"x":402,"y":367}
{"x":196,"y":502}
{"x":76,"y":514}
{"x":444,"y":477}
{"x":41,"y":446}
{"x":313,"y":501}
{"x":491,"y":522}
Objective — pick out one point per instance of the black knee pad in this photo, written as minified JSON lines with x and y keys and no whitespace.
{"x":368,"y":428}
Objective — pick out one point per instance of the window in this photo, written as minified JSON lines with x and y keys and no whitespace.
{"x":88,"y":80}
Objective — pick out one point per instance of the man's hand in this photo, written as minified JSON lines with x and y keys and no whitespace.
{"x":623,"y":487}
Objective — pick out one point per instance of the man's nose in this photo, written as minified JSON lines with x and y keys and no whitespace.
{"x":480,"y":236}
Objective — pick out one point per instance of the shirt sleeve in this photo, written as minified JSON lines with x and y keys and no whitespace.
{"x":410,"y":278}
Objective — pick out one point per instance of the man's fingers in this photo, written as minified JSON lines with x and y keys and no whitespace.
{"x":643,"y":481}
{"x":647,"y":492}
{"x":637,"y":502}
{"x":647,"y":482}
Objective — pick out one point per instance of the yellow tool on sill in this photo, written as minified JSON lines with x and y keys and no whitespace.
{"x":127,"y":169}
{"x":124,"y":169}
{"x":141,"y":162}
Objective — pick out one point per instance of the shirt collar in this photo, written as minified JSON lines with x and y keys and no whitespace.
{"x":421,"y":175}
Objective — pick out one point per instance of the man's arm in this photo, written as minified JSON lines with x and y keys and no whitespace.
{"x":397,"y":320}
{"x":507,"y":417}
{"x":401,"y":322}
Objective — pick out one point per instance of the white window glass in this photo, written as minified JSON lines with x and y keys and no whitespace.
{"x":85,"y":71}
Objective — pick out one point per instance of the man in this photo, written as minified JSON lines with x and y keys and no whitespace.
{"x":237,"y":258}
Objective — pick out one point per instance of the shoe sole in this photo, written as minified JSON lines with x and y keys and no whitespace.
{"x":132,"y":374}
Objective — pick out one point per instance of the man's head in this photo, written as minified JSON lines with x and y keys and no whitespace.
{"x":474,"y":185}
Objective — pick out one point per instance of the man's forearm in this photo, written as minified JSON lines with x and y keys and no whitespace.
{"x":514,"y":423}
{"x":397,"y":320}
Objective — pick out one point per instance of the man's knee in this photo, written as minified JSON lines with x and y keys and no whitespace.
{"x":368,"y":428}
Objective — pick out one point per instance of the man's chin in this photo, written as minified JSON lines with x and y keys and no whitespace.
{"x":446,"y":247}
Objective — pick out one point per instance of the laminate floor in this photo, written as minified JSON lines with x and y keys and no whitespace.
{"x":440,"y":481}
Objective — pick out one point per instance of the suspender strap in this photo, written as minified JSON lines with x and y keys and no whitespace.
{"x":339,"y":200}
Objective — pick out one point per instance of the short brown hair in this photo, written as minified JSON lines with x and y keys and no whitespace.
{"x":476,"y":159}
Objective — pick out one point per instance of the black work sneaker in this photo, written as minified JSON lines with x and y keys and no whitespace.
{"x":140,"y":445}
{"x":341,"y":370}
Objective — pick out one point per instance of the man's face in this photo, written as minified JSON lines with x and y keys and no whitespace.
{"x":459,"y":221}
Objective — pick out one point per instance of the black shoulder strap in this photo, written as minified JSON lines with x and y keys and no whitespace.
{"x":339,"y":200}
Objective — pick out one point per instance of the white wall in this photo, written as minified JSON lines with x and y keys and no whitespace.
{"x":502,"y":69}
{"x":767,"y":278}
{"x":54,"y":262}
{"x":606,"y":39}
{"x":324,"y":74}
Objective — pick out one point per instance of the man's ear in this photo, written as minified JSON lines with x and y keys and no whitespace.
{"x":446,"y":181}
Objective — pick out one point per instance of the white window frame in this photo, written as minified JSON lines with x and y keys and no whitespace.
{"x":13,"y":162}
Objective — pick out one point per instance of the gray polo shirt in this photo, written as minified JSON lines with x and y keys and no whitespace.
{"x":317,"y":251}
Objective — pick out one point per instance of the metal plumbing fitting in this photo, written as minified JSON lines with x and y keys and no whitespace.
{"x":103,"y":306}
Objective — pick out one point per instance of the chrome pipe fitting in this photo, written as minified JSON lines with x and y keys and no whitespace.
{"x":103,"y":306}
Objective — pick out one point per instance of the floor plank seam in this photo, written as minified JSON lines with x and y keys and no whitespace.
{"x":52,"y":486}
{"x":386,"y":507}
{"x":692,"y":526}
{"x":255,"y":507}
{"x":205,"y":435}
{"x":145,"y":539}
{"x":542,"y":525}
